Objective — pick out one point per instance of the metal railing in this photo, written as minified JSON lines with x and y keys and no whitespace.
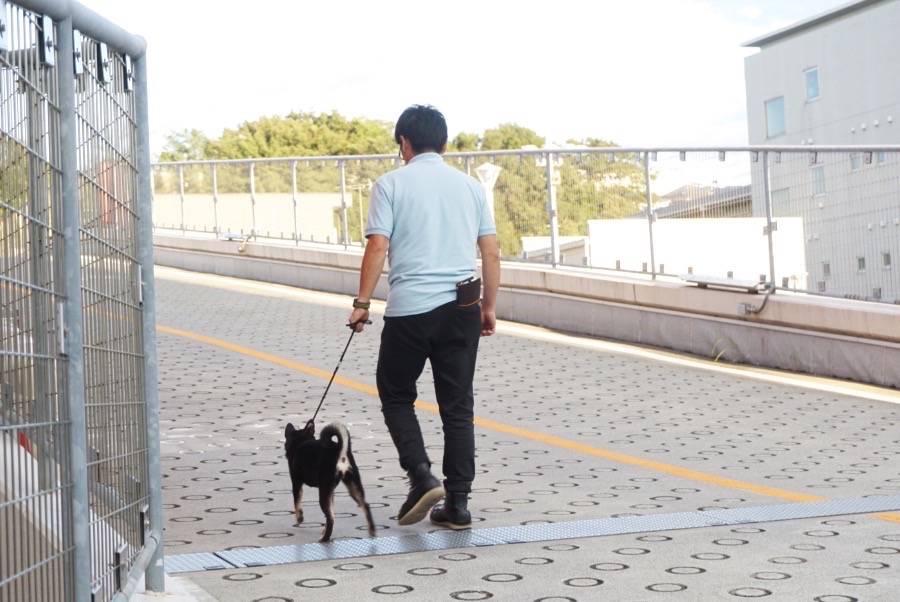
{"x":816,"y":219}
{"x":80,"y":495}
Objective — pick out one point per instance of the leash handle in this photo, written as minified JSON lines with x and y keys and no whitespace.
{"x":352,"y":327}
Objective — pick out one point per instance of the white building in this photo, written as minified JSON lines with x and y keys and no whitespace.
{"x":831,"y":80}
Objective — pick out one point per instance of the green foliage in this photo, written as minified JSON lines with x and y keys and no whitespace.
{"x":510,"y":136}
{"x":304,"y":135}
{"x":297,"y":135}
{"x":14,"y":183}
{"x":520,"y":202}
{"x":520,"y":194}
{"x":591,"y":142}
{"x":185,"y":145}
{"x":464,"y":142}
{"x":586,"y":187}
{"x":598,"y":186}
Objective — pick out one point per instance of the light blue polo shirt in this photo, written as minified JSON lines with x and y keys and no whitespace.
{"x":433,"y":215}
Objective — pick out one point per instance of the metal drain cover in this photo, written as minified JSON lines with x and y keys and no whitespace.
{"x":446,"y":540}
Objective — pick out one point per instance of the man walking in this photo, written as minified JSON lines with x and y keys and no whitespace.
{"x":428,"y":218}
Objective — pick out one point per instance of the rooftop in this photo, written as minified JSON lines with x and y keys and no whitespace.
{"x":811,"y":22}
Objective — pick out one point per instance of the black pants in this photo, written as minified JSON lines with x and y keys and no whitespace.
{"x":447,"y":336}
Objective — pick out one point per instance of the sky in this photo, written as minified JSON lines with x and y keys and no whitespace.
{"x":637,"y":72}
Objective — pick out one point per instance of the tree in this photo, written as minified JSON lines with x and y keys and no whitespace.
{"x":598,"y":186}
{"x":591,"y":142}
{"x":520,"y":202}
{"x":304,"y":135}
{"x":465,"y":142}
{"x":510,"y":136}
{"x":298,"y":134}
{"x":185,"y":145}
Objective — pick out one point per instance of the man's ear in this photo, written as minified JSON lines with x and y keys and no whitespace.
{"x":443,"y":149}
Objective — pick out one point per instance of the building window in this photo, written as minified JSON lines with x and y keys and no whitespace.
{"x":855,"y":161}
{"x":818,"y":179}
{"x":861,"y":264}
{"x":826,"y":269}
{"x":812,"y":83}
{"x":775,"y":117}
{"x":879,"y":157}
{"x":780,"y":197}
{"x":886,"y":260}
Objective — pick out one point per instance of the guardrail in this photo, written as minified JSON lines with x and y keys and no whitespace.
{"x":80,"y":491}
{"x":817,"y":219}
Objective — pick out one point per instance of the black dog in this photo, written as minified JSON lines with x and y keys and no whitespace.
{"x":323,"y":463}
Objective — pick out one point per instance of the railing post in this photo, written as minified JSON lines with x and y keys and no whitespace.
{"x":344,"y":234}
{"x":154,"y":576}
{"x":181,"y":196}
{"x":551,"y":211}
{"x":294,"y":200}
{"x":362,"y":219}
{"x":770,"y":224}
{"x":79,"y":501}
{"x":650,"y":215}
{"x":215,"y":193}
{"x":252,"y":199}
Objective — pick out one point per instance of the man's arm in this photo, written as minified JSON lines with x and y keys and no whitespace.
{"x":369,"y":273}
{"x":490,"y":278}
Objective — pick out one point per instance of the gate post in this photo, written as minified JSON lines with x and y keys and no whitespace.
{"x":74,"y":314}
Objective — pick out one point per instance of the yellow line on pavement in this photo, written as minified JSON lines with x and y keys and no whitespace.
{"x":546,"y":439}
{"x":678,"y":471}
{"x":267,"y":357}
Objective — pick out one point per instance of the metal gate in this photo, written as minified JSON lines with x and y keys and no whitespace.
{"x":80,"y":500}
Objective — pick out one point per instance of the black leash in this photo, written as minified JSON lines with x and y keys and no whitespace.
{"x":333,"y":374}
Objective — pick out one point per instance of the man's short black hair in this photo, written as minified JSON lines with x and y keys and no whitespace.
{"x":424,"y":126}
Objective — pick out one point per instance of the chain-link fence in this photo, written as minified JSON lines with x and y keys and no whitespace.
{"x":821,"y":220}
{"x":79,"y":477}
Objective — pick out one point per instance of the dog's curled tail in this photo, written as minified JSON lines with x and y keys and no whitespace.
{"x":338,"y":431}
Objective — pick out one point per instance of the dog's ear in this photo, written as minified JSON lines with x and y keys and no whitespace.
{"x":289,"y":430}
{"x":310,"y":426}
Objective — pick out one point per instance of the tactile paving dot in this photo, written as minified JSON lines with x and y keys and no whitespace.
{"x":316,"y":583}
{"x":427,"y":571}
{"x":471,"y":595}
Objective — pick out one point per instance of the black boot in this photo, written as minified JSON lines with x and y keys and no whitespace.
{"x":424,"y":492}
{"x":453,"y":513}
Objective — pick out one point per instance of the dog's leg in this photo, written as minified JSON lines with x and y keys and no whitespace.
{"x":354,"y":486}
{"x":326,"y":502}
{"x":298,"y":498}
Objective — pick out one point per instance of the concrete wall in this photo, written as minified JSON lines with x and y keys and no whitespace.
{"x":823,"y":336}
{"x":710,"y":246}
{"x":273,"y":214}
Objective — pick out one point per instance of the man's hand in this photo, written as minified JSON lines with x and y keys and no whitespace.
{"x":488,"y":322}
{"x":359,"y":317}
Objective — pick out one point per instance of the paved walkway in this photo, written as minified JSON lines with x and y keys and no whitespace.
{"x":606,"y":471}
